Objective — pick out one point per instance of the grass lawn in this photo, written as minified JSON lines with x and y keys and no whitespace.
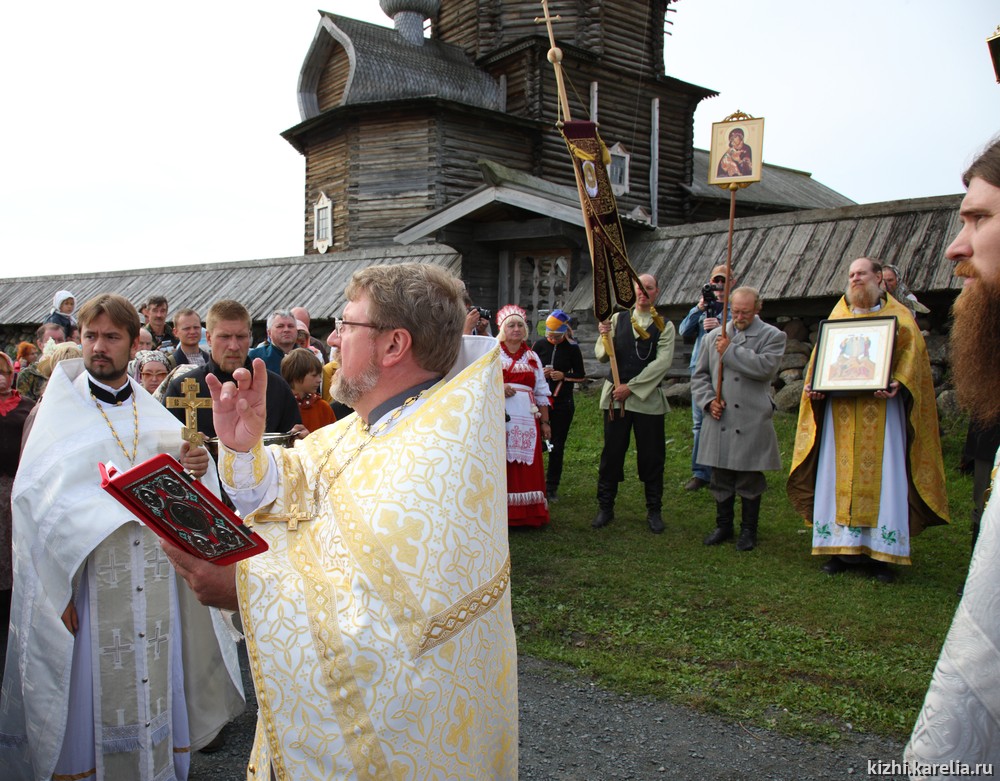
{"x":763,"y":636}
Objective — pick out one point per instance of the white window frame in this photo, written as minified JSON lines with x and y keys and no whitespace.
{"x":323,"y":218}
{"x":620,"y":161}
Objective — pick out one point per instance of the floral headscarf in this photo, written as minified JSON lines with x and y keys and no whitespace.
{"x":142,"y":358}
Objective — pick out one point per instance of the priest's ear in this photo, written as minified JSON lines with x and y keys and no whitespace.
{"x":396,"y":346}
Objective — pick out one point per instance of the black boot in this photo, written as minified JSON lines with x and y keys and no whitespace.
{"x":882,"y":572}
{"x":725,"y":511}
{"x":748,"y":523}
{"x":606,"y":493}
{"x":654,"y":498}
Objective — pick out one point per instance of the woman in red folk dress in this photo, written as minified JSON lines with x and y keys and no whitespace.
{"x":527,"y":403}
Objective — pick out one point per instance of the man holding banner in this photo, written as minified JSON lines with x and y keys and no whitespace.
{"x":644,"y":346}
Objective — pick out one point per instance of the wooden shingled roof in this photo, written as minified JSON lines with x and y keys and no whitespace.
{"x":799,"y":257}
{"x":314,"y":281}
{"x":385,"y":67}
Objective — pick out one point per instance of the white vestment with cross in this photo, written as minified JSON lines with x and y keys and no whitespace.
{"x":151,"y":674}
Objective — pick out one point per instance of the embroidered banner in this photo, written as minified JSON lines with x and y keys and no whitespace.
{"x":613,"y":274}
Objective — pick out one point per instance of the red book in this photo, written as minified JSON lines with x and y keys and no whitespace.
{"x":161,"y":494}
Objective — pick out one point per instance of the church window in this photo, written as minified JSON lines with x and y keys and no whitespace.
{"x":618,"y":172}
{"x":322,"y":223}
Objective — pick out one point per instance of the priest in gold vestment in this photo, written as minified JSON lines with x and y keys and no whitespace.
{"x":867,"y":470}
{"x":378,"y":624}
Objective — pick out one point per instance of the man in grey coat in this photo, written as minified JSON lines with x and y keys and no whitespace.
{"x":737,"y":435}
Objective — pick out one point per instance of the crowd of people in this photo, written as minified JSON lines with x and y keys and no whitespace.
{"x":386,"y":581}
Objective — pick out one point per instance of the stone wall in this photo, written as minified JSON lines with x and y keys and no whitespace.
{"x":11,"y":336}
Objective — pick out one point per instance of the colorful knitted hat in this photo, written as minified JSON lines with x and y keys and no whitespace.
{"x":557,"y":322}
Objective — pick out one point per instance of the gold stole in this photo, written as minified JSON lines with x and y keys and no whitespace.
{"x":862,"y":463}
{"x":859,"y":437}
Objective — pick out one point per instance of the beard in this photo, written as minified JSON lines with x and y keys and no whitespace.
{"x":108,"y":372}
{"x":974,"y":344}
{"x":864,"y":297}
{"x":350,"y":390}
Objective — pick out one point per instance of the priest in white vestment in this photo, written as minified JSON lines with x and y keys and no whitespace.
{"x":378,"y":623}
{"x":114,"y":670}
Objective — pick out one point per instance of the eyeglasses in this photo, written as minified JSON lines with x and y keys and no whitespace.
{"x":339,"y":323}
{"x":720,"y":279}
{"x":153,"y":375}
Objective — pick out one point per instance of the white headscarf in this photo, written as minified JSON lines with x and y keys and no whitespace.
{"x":59,"y":297}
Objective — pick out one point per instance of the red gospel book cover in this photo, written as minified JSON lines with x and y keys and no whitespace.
{"x":180,"y":509}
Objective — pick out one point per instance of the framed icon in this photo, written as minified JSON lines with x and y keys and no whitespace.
{"x":737,"y":151}
{"x":854,"y":355}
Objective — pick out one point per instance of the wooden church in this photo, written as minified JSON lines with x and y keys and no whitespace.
{"x":435,"y":140}
{"x":443,"y":130}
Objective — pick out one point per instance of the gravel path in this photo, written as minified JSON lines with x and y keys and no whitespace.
{"x":573,"y":730}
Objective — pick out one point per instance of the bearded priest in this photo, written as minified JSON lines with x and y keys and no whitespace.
{"x":378,"y":623}
{"x":959,"y":722}
{"x":114,"y":670}
{"x":867,"y":470}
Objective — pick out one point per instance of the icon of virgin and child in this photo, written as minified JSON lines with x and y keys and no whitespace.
{"x":737,"y":160}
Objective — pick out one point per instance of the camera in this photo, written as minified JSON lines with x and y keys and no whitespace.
{"x":484,"y":313}
{"x":713,"y":306}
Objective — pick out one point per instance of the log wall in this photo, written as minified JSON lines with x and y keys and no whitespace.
{"x":393,"y":176}
{"x":463,"y":139}
{"x":615,"y":30}
{"x":327,"y":171}
{"x":624,"y":115}
{"x":333,"y":81}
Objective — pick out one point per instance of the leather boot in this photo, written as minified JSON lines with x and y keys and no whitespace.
{"x":725,"y":511}
{"x":654,"y":498}
{"x":606,"y":493}
{"x":750,"y":509}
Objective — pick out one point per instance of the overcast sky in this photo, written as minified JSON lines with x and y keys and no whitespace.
{"x":147,"y":134}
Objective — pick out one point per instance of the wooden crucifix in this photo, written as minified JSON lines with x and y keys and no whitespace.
{"x":191,"y":403}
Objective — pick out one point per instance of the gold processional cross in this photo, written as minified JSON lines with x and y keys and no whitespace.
{"x":191,"y":403}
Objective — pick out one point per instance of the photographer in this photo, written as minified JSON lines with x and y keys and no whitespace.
{"x":477,"y":318}
{"x":702,"y":318}
{"x":477,"y":321}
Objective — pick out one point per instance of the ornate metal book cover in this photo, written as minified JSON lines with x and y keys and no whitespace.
{"x":182,"y":510}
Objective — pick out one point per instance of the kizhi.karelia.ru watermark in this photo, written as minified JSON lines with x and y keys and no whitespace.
{"x":907,"y":768}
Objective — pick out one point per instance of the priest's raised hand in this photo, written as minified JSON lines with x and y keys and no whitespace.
{"x":238,"y":408}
